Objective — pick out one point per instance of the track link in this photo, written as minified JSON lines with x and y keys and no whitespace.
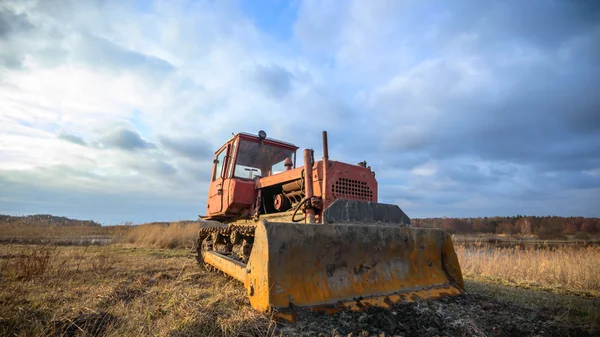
{"x":234,"y":241}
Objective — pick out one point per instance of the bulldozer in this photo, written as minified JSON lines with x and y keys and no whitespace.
{"x":315,"y":236}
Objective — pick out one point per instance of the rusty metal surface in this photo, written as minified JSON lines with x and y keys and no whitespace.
{"x":267,"y":140}
{"x":211,"y":224}
{"x":279,"y":217}
{"x":308,"y":185}
{"x":325,"y":191}
{"x":308,"y":265}
{"x":229,"y":266}
{"x":241,"y":196}
{"x":218,"y":187}
{"x":295,"y":185}
{"x":360,"y":254}
{"x":280,"y":178}
{"x":343,"y":210}
{"x":231,"y":198}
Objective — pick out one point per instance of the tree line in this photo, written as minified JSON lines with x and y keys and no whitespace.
{"x":545,"y":227}
{"x":44,"y":220}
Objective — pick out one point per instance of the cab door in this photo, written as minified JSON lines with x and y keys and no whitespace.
{"x":216,"y":190}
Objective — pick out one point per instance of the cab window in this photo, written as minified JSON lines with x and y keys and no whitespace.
{"x":219,"y":164}
{"x":255,"y":160}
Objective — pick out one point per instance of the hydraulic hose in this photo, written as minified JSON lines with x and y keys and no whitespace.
{"x":297,"y":208}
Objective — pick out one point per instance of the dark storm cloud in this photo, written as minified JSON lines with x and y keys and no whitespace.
{"x":502,"y":97}
{"x":540,"y":22}
{"x":536,"y":124}
{"x":72,"y":138}
{"x":469,"y":173}
{"x":541,"y":112}
{"x":191,"y":147}
{"x":125,"y":139}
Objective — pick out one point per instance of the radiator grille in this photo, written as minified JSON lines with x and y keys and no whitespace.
{"x":352,"y":189}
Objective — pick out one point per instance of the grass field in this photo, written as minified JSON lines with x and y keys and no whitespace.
{"x":117,"y":291}
{"x":147,"y":282}
{"x":562,"y":269}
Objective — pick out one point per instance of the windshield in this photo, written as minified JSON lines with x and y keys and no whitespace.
{"x":255,"y":161}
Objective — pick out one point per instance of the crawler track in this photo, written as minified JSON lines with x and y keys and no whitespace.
{"x":234,"y":241}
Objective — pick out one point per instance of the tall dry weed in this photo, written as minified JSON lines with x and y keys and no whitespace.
{"x":574,"y":268}
{"x":60,"y":235}
{"x":27,"y":263}
{"x":34,"y":264}
{"x":173,"y":235}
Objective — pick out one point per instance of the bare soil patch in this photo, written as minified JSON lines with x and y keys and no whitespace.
{"x":468,"y":315}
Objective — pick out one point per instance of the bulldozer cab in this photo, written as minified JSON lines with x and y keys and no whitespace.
{"x":241,"y":161}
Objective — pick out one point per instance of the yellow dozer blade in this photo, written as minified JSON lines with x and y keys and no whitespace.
{"x":346,"y":265}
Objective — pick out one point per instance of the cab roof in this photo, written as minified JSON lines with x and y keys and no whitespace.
{"x":254,"y":136}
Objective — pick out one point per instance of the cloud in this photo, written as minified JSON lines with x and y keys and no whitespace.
{"x":275,"y":80}
{"x":109,"y":206}
{"x":100,"y":52}
{"x":72,"y":138}
{"x":125,"y":140}
{"x":155,"y":167}
{"x":462,"y":109}
{"x":191,"y":147}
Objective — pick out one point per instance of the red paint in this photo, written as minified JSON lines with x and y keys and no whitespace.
{"x":232,"y":198}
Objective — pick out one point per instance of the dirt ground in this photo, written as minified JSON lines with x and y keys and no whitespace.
{"x":468,"y":315}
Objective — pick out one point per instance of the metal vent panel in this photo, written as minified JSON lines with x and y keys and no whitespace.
{"x":345,"y":188}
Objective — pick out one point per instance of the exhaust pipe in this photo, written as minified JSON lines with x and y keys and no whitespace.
{"x":308,"y":185}
{"x":324,"y":191}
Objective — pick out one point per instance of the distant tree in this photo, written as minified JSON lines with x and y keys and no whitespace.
{"x":551,"y":228}
{"x":524,"y":225}
{"x":535,"y":224}
{"x":476,"y":225}
{"x":494,"y":224}
{"x":506,"y":227}
{"x":588,"y":225}
{"x":465,"y":226}
{"x":570,"y":226}
{"x":487,"y":226}
{"x":544,"y":227}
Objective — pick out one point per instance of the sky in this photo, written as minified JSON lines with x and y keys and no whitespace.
{"x":112,"y":110}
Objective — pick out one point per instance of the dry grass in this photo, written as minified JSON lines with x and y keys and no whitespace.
{"x":566,"y":269}
{"x":171,"y":236}
{"x":118,"y":291}
{"x":55,"y":234}
{"x":155,"y":235}
{"x":570,"y":310}
{"x":135,"y":288}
